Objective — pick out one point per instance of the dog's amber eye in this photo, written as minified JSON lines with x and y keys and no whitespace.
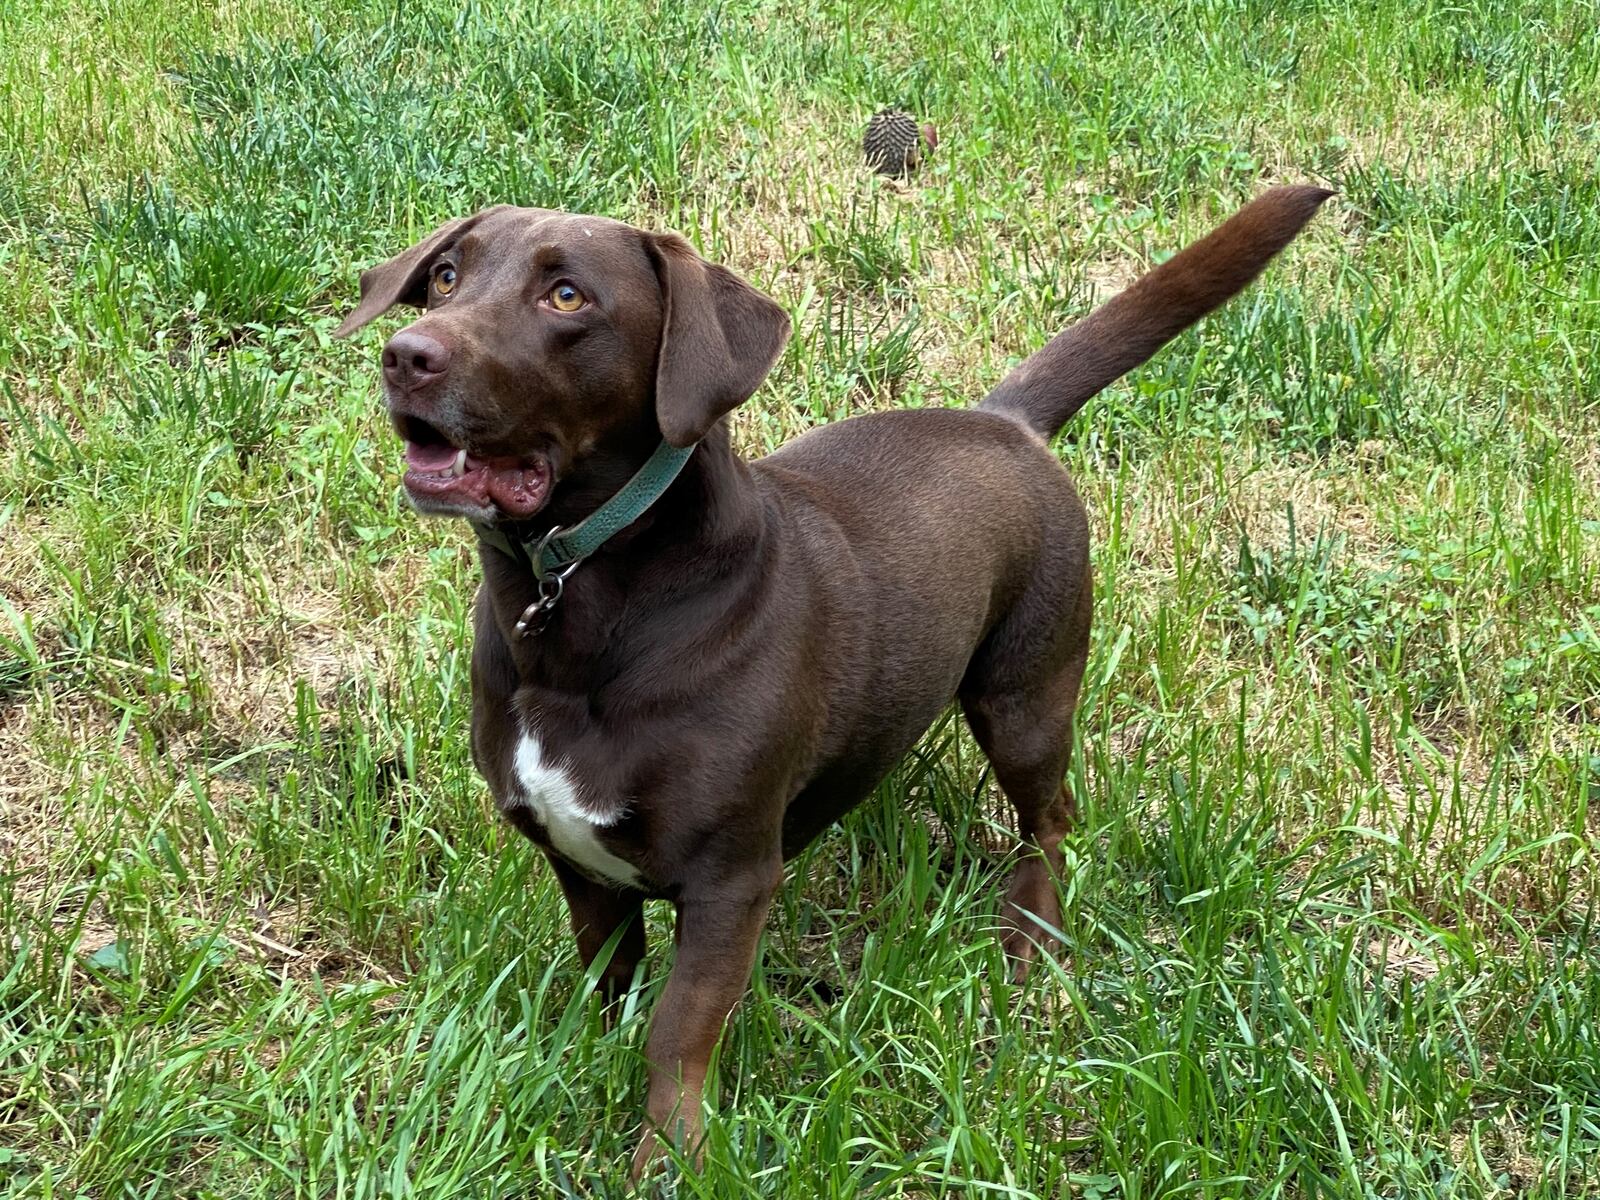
{"x":566,"y":298}
{"x":444,"y":280}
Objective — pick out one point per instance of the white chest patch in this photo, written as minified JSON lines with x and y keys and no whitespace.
{"x":552,"y":796}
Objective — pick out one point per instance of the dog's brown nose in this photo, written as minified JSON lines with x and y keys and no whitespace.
{"x":412,"y":359}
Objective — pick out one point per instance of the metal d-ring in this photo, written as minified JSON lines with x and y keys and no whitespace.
{"x":551,"y":583}
{"x":536,"y":558}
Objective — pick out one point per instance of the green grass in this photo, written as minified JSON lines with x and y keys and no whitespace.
{"x":1332,"y":909}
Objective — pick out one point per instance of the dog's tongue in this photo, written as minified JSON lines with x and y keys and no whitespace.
{"x":433,"y":459}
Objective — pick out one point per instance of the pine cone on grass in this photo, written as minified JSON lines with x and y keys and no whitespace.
{"x":895,"y":144}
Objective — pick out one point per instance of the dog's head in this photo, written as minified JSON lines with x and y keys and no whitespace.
{"x":553,"y":348}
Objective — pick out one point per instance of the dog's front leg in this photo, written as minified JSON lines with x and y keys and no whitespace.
{"x":597,"y":912}
{"x":719,"y":926}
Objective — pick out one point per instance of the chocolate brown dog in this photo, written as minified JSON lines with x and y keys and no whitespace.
{"x":676,"y":709}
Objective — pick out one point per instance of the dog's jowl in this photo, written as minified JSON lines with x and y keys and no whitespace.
{"x":686,"y":665}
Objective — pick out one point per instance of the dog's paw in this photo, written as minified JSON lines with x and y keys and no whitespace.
{"x":654,"y":1159}
{"x":1031,"y":918}
{"x":649,"y":1160}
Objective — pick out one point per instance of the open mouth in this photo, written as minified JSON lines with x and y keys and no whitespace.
{"x":443,"y":477}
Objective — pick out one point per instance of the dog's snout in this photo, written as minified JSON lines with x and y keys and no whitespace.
{"x":412,"y":359}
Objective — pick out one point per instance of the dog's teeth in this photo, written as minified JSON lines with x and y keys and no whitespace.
{"x":460,"y":467}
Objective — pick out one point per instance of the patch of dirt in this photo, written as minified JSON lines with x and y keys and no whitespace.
{"x":36,"y":830}
{"x":22,"y":568}
{"x":257,"y":636}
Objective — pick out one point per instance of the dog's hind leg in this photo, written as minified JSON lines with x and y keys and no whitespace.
{"x":1020,"y":709}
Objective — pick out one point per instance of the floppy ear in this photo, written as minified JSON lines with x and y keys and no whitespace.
{"x":404,"y":278}
{"x":719,"y":338}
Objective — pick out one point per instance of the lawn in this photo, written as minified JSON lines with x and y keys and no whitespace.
{"x":1332,"y":903}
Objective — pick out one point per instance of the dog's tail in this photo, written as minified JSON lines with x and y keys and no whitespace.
{"x":1047,"y":388}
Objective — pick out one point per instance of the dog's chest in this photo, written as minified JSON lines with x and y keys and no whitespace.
{"x":552,"y":796}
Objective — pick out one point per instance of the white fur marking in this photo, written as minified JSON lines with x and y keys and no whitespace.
{"x":551,"y":794}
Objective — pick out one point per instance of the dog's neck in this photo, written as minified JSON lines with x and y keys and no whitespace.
{"x":705,"y":527}
{"x":593,"y":483}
